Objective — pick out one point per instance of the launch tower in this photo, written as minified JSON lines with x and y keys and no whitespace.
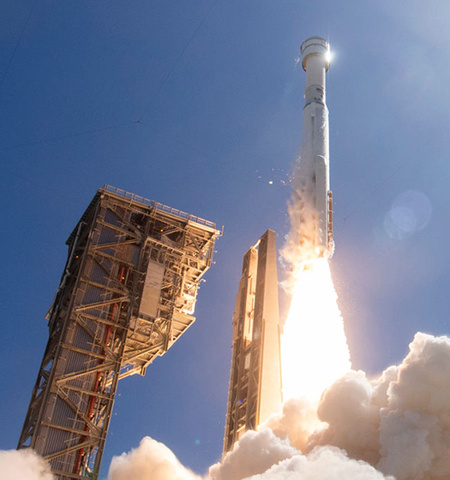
{"x":255,"y":378}
{"x":127,"y":293}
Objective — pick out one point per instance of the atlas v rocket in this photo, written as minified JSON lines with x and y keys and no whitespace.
{"x":313,"y":171}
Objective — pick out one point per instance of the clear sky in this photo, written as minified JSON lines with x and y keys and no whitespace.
{"x":198,"y":105}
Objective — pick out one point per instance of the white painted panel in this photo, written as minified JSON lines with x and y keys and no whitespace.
{"x":152,"y":289}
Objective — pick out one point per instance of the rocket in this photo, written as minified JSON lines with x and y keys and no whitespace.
{"x":314,"y":169}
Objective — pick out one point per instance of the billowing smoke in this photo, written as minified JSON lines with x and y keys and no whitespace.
{"x":151,"y":460}
{"x":323,"y":463}
{"x":255,"y":453}
{"x":296,"y":422}
{"x":398,"y":422}
{"x":299,"y":246}
{"x":23,"y":465}
{"x":394,"y":426}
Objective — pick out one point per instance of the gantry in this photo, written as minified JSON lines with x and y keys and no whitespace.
{"x":127,"y":294}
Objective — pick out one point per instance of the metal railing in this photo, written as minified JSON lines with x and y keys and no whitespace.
{"x":158,"y":206}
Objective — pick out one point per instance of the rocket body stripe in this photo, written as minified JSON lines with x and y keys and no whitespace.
{"x":314,"y":164}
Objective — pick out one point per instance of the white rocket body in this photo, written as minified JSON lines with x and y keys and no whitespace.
{"x":314,"y":163}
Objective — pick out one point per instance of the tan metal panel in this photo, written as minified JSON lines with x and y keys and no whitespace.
{"x":255,"y":377}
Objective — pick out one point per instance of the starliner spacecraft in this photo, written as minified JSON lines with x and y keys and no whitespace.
{"x":313,"y":170}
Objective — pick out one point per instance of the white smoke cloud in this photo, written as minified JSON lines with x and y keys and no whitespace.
{"x":395,"y":426}
{"x":23,"y":465}
{"x":352,"y":419}
{"x":322,"y":463}
{"x":151,"y":460}
{"x":415,"y":426}
{"x":296,"y":422}
{"x":300,"y":245}
{"x":399,"y":422}
{"x":254,"y":453}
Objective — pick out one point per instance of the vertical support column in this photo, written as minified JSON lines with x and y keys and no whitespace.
{"x":243,"y":317}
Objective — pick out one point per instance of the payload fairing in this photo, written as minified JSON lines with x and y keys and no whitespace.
{"x":313,"y":170}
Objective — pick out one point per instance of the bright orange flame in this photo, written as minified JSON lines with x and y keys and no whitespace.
{"x":314,"y":349}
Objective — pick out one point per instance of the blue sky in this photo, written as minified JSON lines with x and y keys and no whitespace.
{"x":198,"y":105}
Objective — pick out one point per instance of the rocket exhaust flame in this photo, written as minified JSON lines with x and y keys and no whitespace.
{"x":314,"y":350}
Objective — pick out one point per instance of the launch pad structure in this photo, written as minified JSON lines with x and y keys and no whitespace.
{"x":255,"y":390}
{"x":127,"y":294}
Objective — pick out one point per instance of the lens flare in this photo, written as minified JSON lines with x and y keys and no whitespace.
{"x":314,"y":349}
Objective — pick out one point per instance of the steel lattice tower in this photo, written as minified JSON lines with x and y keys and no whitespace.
{"x":127,"y":293}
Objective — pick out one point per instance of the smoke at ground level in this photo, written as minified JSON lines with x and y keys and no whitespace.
{"x":23,"y":465}
{"x":393,"y":426}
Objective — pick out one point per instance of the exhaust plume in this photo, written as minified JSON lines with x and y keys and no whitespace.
{"x":314,"y":349}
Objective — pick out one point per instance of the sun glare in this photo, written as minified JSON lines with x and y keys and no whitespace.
{"x":314,"y":349}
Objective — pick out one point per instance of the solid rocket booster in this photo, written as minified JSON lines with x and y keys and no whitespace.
{"x":314,"y":166}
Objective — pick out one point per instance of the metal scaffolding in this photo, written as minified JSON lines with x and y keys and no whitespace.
{"x":127,"y":293}
{"x":255,"y":378}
